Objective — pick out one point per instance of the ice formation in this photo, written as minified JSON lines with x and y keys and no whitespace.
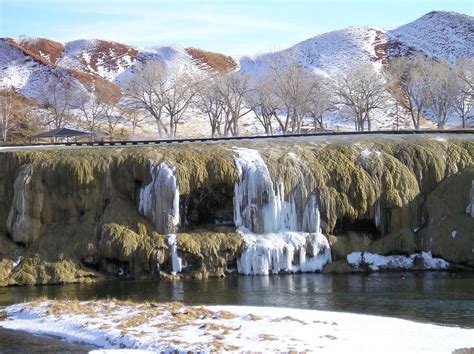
{"x":470,"y":206}
{"x":377,"y":262}
{"x":176,"y":262}
{"x":270,"y":225}
{"x":159,"y":199}
{"x":23,"y":218}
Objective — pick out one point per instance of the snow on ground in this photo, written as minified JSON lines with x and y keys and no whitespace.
{"x":172,"y":326}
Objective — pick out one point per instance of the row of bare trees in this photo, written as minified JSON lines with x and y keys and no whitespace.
{"x":285,"y":98}
{"x":425,"y":84}
{"x":15,"y":115}
{"x":282,"y":99}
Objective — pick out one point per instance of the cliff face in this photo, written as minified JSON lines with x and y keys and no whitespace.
{"x":81,"y":214}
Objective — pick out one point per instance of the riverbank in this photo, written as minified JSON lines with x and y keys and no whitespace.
{"x":112,"y":324}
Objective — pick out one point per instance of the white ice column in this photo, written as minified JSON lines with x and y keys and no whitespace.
{"x":269,"y":224}
{"x":159,"y":199}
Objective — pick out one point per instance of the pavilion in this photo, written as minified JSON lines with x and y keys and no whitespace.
{"x":62,"y":133}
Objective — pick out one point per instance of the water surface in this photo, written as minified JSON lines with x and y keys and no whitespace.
{"x":435,"y":297}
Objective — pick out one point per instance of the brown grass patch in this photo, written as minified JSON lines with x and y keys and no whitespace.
{"x":133,"y":322}
{"x":219,"y":62}
{"x":326,"y":322}
{"x":253,"y":317}
{"x":58,"y":308}
{"x":89,"y":80}
{"x":329,"y":336}
{"x":42,"y":45}
{"x":288,"y":318}
{"x":226,"y":315}
{"x":264,"y":336}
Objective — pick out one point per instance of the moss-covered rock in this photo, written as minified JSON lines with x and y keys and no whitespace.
{"x":449,"y":230}
{"x":74,"y":212}
{"x":207,"y":254}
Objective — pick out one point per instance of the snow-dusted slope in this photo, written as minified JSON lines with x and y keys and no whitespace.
{"x":27,"y":74}
{"x":189,"y":59}
{"x":327,"y":54}
{"x":445,"y":35}
{"x":105,"y":58}
{"x":42,"y":47}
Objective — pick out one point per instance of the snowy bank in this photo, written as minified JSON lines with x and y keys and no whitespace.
{"x":173,"y":326}
{"x":374,"y":262}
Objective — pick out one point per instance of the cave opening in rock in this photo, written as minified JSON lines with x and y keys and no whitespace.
{"x":367,"y":226}
{"x":207,"y":206}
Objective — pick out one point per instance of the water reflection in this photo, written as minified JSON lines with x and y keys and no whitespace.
{"x":438,"y":297}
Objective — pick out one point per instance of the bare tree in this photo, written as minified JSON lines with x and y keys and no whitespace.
{"x":112,"y":118}
{"x":7,"y":111}
{"x":411,"y":75}
{"x":294,"y":89}
{"x":362,"y":90}
{"x":92,"y":107}
{"x":178,"y":95}
{"x":134,"y":116}
{"x":211,"y":102}
{"x":58,"y":97}
{"x":442,"y":91}
{"x":16,"y":118}
{"x":146,"y":90}
{"x":263,"y":101}
{"x":319,"y":102}
{"x":234,"y":88}
{"x":464,"y":97}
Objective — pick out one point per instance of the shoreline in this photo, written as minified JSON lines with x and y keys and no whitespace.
{"x":173,"y":326}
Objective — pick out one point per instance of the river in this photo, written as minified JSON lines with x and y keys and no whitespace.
{"x":444,"y":298}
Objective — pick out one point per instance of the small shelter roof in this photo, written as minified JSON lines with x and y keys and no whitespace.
{"x":61,"y":133}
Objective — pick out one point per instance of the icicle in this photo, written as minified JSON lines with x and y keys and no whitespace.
{"x":23,"y":221}
{"x":258,"y":206}
{"x":176,"y":262}
{"x":285,"y":251}
{"x":377,"y":214}
{"x":470,"y":206}
{"x":159,"y":199}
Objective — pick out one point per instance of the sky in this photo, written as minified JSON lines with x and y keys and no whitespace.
{"x":227,"y":26}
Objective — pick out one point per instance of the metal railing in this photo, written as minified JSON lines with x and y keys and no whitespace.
{"x":236,"y":138}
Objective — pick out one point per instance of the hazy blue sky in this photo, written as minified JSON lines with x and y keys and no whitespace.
{"x":234,"y":27}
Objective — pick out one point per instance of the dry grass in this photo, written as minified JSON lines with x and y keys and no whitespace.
{"x":329,"y":336}
{"x":45,"y":46}
{"x":219,"y":62}
{"x":253,"y":317}
{"x":265,"y":337}
{"x":168,"y":318}
{"x":326,"y":323}
{"x":226,"y":315}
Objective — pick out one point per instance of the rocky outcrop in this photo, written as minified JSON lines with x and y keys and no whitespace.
{"x":85,"y":214}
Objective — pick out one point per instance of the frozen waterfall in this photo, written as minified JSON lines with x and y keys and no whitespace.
{"x":159,"y":199}
{"x":176,"y":262}
{"x":470,"y":206}
{"x":269,"y":223}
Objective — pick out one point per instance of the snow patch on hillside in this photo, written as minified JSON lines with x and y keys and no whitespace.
{"x":446,"y":35}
